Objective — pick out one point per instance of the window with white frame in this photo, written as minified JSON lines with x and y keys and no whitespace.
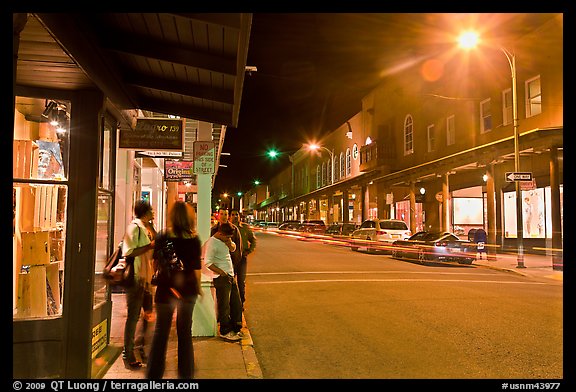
{"x":431,"y":133}
{"x":485,"y":116}
{"x":318,"y":177}
{"x":533,"y":97}
{"x":342,"y":166}
{"x":323,"y":173}
{"x":408,"y":135}
{"x":348,"y":162}
{"x":329,"y":172}
{"x":507,"y":111}
{"x":450,"y":131}
{"x":336,"y":164}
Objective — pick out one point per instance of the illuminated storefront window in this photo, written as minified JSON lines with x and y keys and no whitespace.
{"x":40,"y":194}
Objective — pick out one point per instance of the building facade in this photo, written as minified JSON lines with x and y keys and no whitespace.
{"x":434,"y":146}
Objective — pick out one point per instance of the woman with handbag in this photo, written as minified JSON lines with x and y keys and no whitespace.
{"x":176,"y":292}
{"x":137,"y":244}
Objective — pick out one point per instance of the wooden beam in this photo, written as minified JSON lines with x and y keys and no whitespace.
{"x":142,"y":46}
{"x":187,"y":111}
{"x":229,"y":20}
{"x":182,"y":88}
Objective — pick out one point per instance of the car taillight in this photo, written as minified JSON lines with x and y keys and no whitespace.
{"x":440,"y":243}
{"x":380,"y":232}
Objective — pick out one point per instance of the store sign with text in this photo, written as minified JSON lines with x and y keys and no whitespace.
{"x":178,"y":170}
{"x":154,"y":134}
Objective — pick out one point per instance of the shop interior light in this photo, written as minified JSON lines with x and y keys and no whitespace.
{"x":50,"y":106}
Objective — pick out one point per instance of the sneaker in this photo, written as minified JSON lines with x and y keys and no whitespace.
{"x":231,"y":336}
{"x":241,"y":334}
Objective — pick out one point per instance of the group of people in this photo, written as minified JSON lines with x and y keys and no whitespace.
{"x":225,"y":254}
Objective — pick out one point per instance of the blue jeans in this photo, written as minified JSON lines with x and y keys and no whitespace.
{"x":134,"y":298}
{"x":157,"y":357}
{"x":228,"y":304}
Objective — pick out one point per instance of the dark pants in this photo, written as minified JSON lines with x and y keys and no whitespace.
{"x":240,"y":271}
{"x":134,"y":297}
{"x":157,"y":358}
{"x":228,"y":304}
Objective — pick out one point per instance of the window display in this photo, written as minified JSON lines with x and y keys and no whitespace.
{"x":536,"y":213}
{"x":40,"y":194}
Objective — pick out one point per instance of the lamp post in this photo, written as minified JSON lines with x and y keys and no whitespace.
{"x":467,"y":41}
{"x":315,"y":147}
{"x":519,"y":216}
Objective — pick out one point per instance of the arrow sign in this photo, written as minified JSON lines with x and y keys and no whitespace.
{"x":518,"y":176}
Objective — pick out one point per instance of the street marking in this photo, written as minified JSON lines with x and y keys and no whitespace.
{"x":398,"y":280}
{"x":365,"y":272}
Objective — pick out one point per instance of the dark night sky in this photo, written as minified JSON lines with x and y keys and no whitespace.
{"x":313,"y":70}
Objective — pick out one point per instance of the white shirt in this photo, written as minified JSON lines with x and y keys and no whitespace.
{"x":217,"y":253}
{"x":136,"y":237}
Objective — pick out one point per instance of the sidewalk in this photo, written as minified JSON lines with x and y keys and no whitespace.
{"x":537,"y":266}
{"x":214,"y":358}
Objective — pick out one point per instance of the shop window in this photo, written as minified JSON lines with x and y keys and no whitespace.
{"x":536,"y":213}
{"x":104,"y":212}
{"x":40,"y":194}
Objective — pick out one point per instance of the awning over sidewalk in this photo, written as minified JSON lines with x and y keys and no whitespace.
{"x":191,"y":65}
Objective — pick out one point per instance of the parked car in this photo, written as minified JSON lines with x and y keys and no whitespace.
{"x":312,"y":226}
{"x":435,"y":247}
{"x":341,"y":229}
{"x":289,"y":225}
{"x":383,"y":231}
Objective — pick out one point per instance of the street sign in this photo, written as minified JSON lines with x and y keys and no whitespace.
{"x":204,"y":156}
{"x":518,"y":176}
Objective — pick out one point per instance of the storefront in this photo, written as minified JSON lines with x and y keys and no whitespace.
{"x":63,"y":202}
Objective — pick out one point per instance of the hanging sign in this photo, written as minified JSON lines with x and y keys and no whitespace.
{"x":204,"y":155}
{"x":177,"y":170}
{"x":154,"y":134}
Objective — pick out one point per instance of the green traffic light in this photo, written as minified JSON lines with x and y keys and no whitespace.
{"x":272,"y":153}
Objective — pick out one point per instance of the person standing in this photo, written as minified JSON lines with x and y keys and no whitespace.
{"x":147,"y":300}
{"x":217,"y":258}
{"x":248,"y":246}
{"x":236,"y":254}
{"x":178,"y":294}
{"x":137,"y":244}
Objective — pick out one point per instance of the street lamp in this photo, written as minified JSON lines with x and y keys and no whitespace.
{"x":316,"y":147}
{"x":469,"y":40}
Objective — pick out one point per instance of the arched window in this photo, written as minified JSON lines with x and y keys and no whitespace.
{"x":348,"y":162}
{"x":323,"y":173}
{"x":408,"y":135}
{"x":342,"y":166}
{"x":318,"y":177}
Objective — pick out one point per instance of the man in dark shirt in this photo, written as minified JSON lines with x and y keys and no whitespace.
{"x":248,"y":246}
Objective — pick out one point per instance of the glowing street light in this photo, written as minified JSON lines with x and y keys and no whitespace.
{"x":316,"y":147}
{"x":273,"y":154}
{"x":469,"y":40}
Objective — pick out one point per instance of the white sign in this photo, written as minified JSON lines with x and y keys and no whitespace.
{"x":518,"y":176}
{"x":204,"y":156}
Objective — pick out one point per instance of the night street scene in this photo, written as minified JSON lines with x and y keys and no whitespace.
{"x":352,"y":200}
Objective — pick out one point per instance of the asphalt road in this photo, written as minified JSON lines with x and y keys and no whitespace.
{"x":318,"y":311}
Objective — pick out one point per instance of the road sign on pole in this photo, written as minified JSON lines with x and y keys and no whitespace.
{"x":518,"y":176}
